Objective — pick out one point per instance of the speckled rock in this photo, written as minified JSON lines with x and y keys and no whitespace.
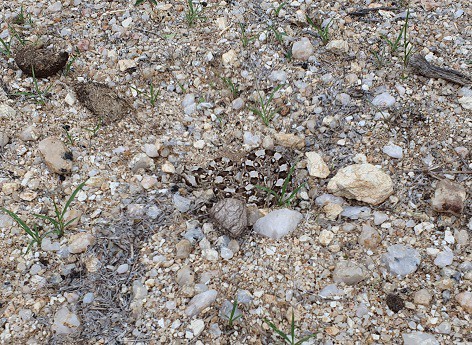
{"x":56,"y":155}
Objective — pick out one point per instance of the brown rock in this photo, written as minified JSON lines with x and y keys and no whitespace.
{"x":44,"y":61}
{"x":102,"y":101}
{"x":231,"y":215}
{"x":449,"y":197}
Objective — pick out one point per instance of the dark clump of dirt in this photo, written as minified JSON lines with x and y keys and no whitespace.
{"x":102,"y":101}
{"x":394,"y":302}
{"x":45,"y":62}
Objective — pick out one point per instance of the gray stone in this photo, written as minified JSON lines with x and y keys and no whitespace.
{"x":65,"y":321}
{"x":393,"y":151}
{"x":278,"y":223}
{"x":338,"y":47}
{"x":181,"y":203}
{"x":349,"y":272}
{"x":4,"y":139}
{"x":384,"y":100}
{"x":444,"y":258}
{"x":231,"y":215}
{"x":419,"y":338}
{"x":401,"y":260}
{"x":200,"y":302}
{"x":141,"y":161}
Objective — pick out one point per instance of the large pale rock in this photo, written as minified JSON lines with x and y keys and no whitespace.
{"x":338,"y":47}
{"x":303,"y":49}
{"x":363,"y":182}
{"x":316,"y":165}
{"x":401,"y":260}
{"x":278,"y":223}
{"x":231,"y":215}
{"x":449,"y":197}
{"x":80,"y":242}
{"x":56,"y":156}
{"x":65,"y":321}
{"x":419,"y":338}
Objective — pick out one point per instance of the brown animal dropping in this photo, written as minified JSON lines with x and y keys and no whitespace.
{"x":44,"y":61}
{"x":102,"y":101}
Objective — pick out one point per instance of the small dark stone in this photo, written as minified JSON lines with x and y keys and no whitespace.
{"x":394,"y":302}
{"x":62,"y":178}
{"x":68,"y":155}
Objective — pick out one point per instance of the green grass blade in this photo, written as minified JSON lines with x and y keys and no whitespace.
{"x":54,"y":222}
{"x":292,"y":327}
{"x":275,"y":329}
{"x":20,"y":222}
{"x":268,"y":190}
{"x":72,"y":197}
{"x":302,"y":340}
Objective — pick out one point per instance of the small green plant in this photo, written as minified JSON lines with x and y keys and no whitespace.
{"x":289,"y":338}
{"x":152,"y":94}
{"x":5,"y":48}
{"x":151,"y":2}
{"x":22,"y":18}
{"x":38,"y":94}
{"x":323,"y":31}
{"x":266,"y":111}
{"x":245,"y":39}
{"x":66,"y":129}
{"x":395,"y":44}
{"x":93,"y":131}
{"x":15,"y":34}
{"x":194,"y":13}
{"x":31,"y":231}
{"x":58,"y":221}
{"x":71,"y":60}
{"x":407,"y":46}
{"x":232,"y":316}
{"x":277,"y":10}
{"x":233,"y":87}
{"x":282,"y":198}
{"x":380,"y":56}
{"x":279,"y":36}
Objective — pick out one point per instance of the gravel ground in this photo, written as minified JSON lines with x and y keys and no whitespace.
{"x":387,"y":260}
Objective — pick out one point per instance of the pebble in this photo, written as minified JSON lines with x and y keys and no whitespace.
{"x":183,"y":249}
{"x":363,"y":182}
{"x":230,"y":59}
{"x":197,"y":326}
{"x":123,"y":268}
{"x":290,"y":140}
{"x":56,"y":156}
{"x":349,"y":272}
{"x":30,"y":133}
{"x":328,"y":198}
{"x":278,"y":76}
{"x":210,"y":254}
{"x":200,"y":302}
{"x":151,"y":150}
{"x":7,"y":111}
{"x":422,"y":297}
{"x":384,"y":100}
{"x":316,"y":165}
{"x":444,"y":328}
{"x":465,"y":301}
{"x":278,"y":223}
{"x":380,"y":217}
{"x":231,"y":215}
{"x":49,"y":246}
{"x":449,"y":197}
{"x":302,"y":49}
{"x":401,"y":260}
{"x":238,"y":103}
{"x":189,"y":104}
{"x":78,"y":243}
{"x":244,"y":297}
{"x":369,"y":237}
{"x":330,"y":291}
{"x":65,"y":321}
{"x":419,"y":338}
{"x":444,"y":258}
{"x":356,"y":212}
{"x":88,"y":298}
{"x":181,"y":203}
{"x":250,"y":139}
{"x":55,"y":7}
{"x":185,"y":276}
{"x":226,"y":310}
{"x":141,"y":161}
{"x":226,"y":253}
{"x":4,"y":139}
{"x":338,"y":47}
{"x":325,"y":237}
{"x":393,"y":151}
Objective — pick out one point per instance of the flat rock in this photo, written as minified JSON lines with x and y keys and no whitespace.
{"x":419,"y":338}
{"x":56,"y":155}
{"x":231,"y":215}
{"x":65,"y":321}
{"x":449,"y":197}
{"x":4,"y":139}
{"x":278,"y":223}
{"x":316,"y":165}
{"x":363,"y":182}
{"x":338,"y":47}
{"x":349,"y":272}
{"x":465,"y":301}
{"x":302,"y":49}
{"x":401,"y":260}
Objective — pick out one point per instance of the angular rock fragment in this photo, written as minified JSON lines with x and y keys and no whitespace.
{"x":102,"y":101}
{"x":45,"y":62}
{"x":231,"y":215}
{"x":449,"y":197}
{"x":349,"y":272}
{"x":200,"y":302}
{"x":401,"y":260}
{"x":56,"y":156}
{"x":363,"y":182}
{"x":278,"y":223}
